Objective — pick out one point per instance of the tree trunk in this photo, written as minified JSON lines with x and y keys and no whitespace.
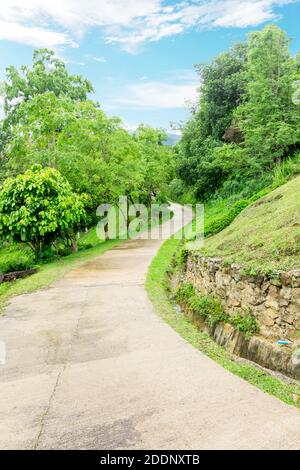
{"x":74,"y":247}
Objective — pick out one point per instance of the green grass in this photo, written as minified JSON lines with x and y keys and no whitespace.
{"x":13,"y":255}
{"x":264,"y":236}
{"x":157,"y":285}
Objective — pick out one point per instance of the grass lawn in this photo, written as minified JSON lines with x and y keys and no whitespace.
{"x":156,"y":286}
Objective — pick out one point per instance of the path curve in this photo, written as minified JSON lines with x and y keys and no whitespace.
{"x":91,"y":366}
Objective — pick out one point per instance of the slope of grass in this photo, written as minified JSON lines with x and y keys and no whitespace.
{"x":265,"y":235}
{"x":157,"y":285}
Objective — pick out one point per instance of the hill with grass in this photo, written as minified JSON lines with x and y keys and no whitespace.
{"x":264,"y":236}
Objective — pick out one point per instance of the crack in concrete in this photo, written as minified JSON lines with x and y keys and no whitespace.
{"x":59,"y":375}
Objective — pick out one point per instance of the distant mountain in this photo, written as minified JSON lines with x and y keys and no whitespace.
{"x":172,"y":139}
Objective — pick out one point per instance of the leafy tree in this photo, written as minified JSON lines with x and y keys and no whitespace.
{"x":39,"y":207}
{"x":245,"y":120}
{"x":93,"y":152}
{"x":268,"y":118}
{"x":49,"y":121}
{"x":157,"y":163}
{"x":47,"y":74}
{"x":221,"y":91}
{"x":223,"y":84}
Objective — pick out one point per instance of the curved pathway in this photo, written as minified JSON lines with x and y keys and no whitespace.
{"x":91,"y":366}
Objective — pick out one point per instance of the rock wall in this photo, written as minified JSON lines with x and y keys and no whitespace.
{"x":275,"y":303}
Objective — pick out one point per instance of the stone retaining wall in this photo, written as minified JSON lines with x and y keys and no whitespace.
{"x":275,"y":303}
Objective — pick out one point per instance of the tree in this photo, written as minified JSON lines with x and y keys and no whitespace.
{"x":222,"y":89}
{"x":246,"y":120}
{"x":47,"y":74}
{"x":223,"y":85}
{"x":157,"y":163}
{"x":39,"y":207}
{"x":96,"y":155}
{"x":268,"y":118}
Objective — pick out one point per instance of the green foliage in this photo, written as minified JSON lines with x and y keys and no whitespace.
{"x":15,"y":257}
{"x":209,"y":309}
{"x":268,"y":118}
{"x":39,"y":207}
{"x":245,"y":323}
{"x":245,"y":123}
{"x":47,"y":74}
{"x":52,"y":123}
{"x":181,"y":257}
{"x":184,"y":293}
{"x":219,"y":223}
{"x":223,"y":86}
{"x":157,"y":164}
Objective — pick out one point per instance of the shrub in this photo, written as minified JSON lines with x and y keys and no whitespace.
{"x":181,"y":258}
{"x":245,"y":323}
{"x":206,"y":306}
{"x":184,"y":293}
{"x":224,"y":220}
{"x":211,"y":311}
{"x":38,"y":207}
{"x":21,"y":265}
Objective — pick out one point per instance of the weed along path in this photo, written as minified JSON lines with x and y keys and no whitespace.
{"x":91,"y":366}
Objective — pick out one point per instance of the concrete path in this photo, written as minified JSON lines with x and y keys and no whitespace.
{"x":91,"y":366}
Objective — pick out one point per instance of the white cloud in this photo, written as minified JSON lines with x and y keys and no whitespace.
{"x":33,"y":36}
{"x":99,"y":59}
{"x":129,"y":23}
{"x":158,"y":95}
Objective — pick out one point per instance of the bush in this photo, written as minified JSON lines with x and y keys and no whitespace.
{"x":181,"y":257}
{"x":205,"y":306}
{"x":245,"y":323}
{"x":21,"y":265}
{"x":39,"y":207}
{"x":211,"y":311}
{"x":184,"y":293}
{"x":224,"y":220}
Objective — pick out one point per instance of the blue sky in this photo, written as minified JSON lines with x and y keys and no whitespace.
{"x":139,"y":54}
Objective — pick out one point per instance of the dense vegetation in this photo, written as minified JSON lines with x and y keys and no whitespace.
{"x":245,"y":123}
{"x":50,"y":121}
{"x":39,"y":208}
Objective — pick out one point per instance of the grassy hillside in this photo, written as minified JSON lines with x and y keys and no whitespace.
{"x":265,"y":235}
